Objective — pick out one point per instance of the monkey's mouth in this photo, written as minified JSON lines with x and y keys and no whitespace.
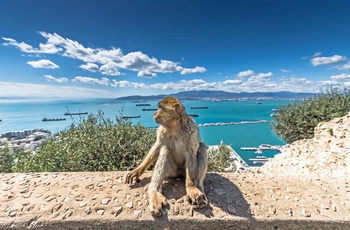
{"x":157,"y":120}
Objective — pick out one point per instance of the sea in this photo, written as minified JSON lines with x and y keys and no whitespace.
{"x":233,"y":123}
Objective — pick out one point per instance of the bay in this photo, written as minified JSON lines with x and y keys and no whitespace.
{"x":19,"y":115}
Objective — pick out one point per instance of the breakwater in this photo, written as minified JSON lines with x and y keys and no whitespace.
{"x":232,"y":123}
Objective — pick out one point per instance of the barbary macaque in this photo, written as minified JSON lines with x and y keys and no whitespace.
{"x":179,"y":152}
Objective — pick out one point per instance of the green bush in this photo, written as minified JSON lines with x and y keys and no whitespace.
{"x":219,"y":159}
{"x":296,"y":121}
{"x":93,"y":144}
{"x":6,"y":160}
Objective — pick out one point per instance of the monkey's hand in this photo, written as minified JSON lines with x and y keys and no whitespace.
{"x":156,"y":202}
{"x":196,"y":197}
{"x":133,"y":176}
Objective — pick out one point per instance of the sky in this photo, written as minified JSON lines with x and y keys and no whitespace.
{"x":111,"y":48}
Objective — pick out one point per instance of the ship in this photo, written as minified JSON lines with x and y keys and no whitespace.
{"x":143,"y":104}
{"x":127,"y":117}
{"x":54,"y":119}
{"x":78,"y":113}
{"x":199,"y":107}
{"x":149,"y":109}
{"x":193,"y":115}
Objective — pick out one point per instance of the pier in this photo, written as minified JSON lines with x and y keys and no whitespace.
{"x":259,"y":150}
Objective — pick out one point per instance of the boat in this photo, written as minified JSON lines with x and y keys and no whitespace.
{"x":149,"y":109}
{"x":259,"y":159}
{"x":199,"y":107}
{"x":193,"y":115}
{"x":54,"y":119}
{"x":127,"y":117}
{"x":258,"y":103}
{"x":78,"y":113}
{"x":143,"y":104}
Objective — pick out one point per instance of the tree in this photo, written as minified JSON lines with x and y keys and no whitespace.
{"x":298,"y":120}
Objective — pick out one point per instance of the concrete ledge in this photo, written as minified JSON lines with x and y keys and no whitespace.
{"x":87,"y":200}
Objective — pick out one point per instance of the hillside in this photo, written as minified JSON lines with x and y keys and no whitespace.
{"x":327,"y":154}
{"x":221,"y":95}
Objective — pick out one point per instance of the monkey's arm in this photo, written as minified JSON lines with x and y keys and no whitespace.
{"x":149,"y":159}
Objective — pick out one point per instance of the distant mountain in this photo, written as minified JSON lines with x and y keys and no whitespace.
{"x":222,"y":95}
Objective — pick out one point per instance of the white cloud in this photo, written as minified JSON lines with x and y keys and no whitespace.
{"x":92,"y":67}
{"x":89,"y":80}
{"x":341,"y":77}
{"x":317,"y":54}
{"x":345,"y":66}
{"x":146,"y":73}
{"x":246,"y":73}
{"x":232,"y":82}
{"x":285,"y":70}
{"x":59,"y":80}
{"x":43,"y":63}
{"x":43,"y":48}
{"x":197,"y":69}
{"x":111,"y":60}
{"x":108,"y":69}
{"x":13,"y":89}
{"x":317,"y":61}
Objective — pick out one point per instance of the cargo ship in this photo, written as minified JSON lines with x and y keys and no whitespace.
{"x":127,"y":117}
{"x":143,"y":104}
{"x":53,"y":119}
{"x":79,"y":113}
{"x":199,"y":107}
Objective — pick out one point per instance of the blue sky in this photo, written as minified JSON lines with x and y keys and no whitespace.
{"x":106,"y":48}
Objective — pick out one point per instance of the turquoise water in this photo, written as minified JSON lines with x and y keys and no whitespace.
{"x":28,"y":115}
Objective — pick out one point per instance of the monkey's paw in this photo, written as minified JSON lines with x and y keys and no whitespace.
{"x":132,"y":176}
{"x":196,"y":197}
{"x":156,"y":202}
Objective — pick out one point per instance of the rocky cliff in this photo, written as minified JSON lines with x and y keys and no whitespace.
{"x":327,"y":154}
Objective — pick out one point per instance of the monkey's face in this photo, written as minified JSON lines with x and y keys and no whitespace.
{"x":162,"y":116}
{"x":169,"y":111}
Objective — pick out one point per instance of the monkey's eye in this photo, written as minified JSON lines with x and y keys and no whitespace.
{"x":162,"y":108}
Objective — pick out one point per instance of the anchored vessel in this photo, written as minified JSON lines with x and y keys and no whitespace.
{"x":193,"y":115}
{"x":79,"y":113}
{"x":126,"y":117}
{"x":53,"y":119}
{"x":143,"y":104}
{"x":199,"y":107}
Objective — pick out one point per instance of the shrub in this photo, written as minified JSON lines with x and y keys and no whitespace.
{"x":93,"y":144}
{"x":219,"y":159}
{"x":6,"y":160}
{"x":298,"y":120}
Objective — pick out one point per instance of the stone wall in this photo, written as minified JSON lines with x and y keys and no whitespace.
{"x":100,"y":200}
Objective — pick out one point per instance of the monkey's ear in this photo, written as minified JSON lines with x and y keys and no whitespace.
{"x":177,"y":107}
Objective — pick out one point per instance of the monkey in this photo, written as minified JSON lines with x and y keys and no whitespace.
{"x":177,"y":151}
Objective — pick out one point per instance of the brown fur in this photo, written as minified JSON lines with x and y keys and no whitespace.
{"x":178,"y":151}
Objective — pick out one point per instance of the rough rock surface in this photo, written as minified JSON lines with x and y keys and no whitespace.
{"x":99,"y":200}
{"x":327,"y":154}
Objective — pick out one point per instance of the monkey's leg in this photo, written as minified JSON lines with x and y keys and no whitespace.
{"x":196,"y":169}
{"x":163,"y":168}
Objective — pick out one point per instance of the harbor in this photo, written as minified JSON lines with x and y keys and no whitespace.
{"x":235,"y":158}
{"x":259,"y":150}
